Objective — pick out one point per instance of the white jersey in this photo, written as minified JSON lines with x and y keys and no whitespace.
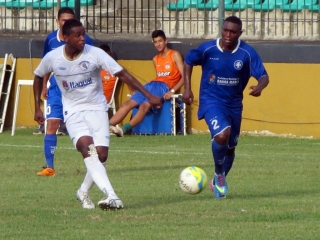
{"x":79,"y":79}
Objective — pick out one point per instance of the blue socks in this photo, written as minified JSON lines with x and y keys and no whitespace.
{"x":228,"y":161}
{"x":50,"y":144}
{"x":219,"y":153}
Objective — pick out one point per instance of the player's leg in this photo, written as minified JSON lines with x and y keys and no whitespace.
{"x":87,"y":129}
{"x":54,"y":117}
{"x":157,"y":89}
{"x":122,"y":112}
{"x":88,"y":182}
{"x":78,"y":128}
{"x":125,"y":108}
{"x":141,"y":113}
{"x":233,"y":141}
{"x":219,"y":126}
{"x":101,"y":138}
{"x":228,"y":161}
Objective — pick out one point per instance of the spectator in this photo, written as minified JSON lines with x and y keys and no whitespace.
{"x":169,"y":69}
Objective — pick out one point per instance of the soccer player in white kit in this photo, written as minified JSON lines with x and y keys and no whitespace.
{"x":77,"y":67}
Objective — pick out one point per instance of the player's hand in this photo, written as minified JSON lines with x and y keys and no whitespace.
{"x":44,"y":92}
{"x":38,"y":116}
{"x":155,"y":101}
{"x":168,"y":95}
{"x":187,"y":97}
{"x":255,"y":91}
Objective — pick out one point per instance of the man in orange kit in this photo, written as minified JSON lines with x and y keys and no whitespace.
{"x":169,"y":68}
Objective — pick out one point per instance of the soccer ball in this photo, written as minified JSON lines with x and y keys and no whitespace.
{"x":192,"y":180}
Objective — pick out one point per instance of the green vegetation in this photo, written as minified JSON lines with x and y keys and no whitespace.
{"x":274,"y":190}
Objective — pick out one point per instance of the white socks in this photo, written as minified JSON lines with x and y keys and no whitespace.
{"x":88,"y":182}
{"x":96,"y":173}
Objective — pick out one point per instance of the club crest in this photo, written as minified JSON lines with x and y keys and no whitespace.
{"x":84,"y":65}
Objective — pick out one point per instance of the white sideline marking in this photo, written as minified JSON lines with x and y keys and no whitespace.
{"x":111,"y":150}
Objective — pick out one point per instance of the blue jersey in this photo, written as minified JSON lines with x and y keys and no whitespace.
{"x":224,"y":74}
{"x":52,"y":42}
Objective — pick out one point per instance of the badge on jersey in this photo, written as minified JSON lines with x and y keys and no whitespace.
{"x":238,"y":64}
{"x":84,"y":65}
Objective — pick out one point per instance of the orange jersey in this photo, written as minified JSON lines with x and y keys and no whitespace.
{"x":167,"y":70}
{"x":108,"y":82}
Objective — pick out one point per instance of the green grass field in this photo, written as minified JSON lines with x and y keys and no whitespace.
{"x":274,"y":190}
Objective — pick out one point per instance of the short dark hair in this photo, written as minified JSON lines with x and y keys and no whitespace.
{"x":65,"y":10}
{"x":235,"y":20}
{"x":158,"y":33}
{"x":105,"y":47}
{"x":69,"y":24}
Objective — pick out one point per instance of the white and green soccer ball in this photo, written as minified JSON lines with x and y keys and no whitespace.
{"x":193,"y":180}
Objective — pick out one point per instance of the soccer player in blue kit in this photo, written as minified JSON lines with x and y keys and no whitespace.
{"x":54,"y":113}
{"x":227,"y":65}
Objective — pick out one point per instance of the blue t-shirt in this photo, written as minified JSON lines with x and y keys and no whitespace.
{"x":52,"y":42}
{"x":225,"y":74}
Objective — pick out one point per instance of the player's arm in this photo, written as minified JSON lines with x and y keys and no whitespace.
{"x":258,"y":72}
{"x":46,"y":49}
{"x":194,"y":57}
{"x":132,"y":82}
{"x":42,"y":70}
{"x":187,"y":96}
{"x":44,"y":86}
{"x":262,"y":84}
{"x":37,"y":89}
{"x":179,"y":62}
{"x":131,"y":90}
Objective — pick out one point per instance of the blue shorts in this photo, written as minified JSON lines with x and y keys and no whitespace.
{"x":54,"y":103}
{"x":156,"y":88}
{"x":219,"y":118}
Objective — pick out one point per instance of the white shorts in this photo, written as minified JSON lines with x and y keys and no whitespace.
{"x":89,"y":123}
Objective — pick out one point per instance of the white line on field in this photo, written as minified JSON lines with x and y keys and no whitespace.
{"x":111,"y":150}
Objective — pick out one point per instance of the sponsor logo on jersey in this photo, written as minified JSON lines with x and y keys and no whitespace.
{"x":228,"y":81}
{"x":80,"y":84}
{"x":238,"y":64}
{"x":65,"y":112}
{"x":212,"y":78}
{"x":167,"y":66}
{"x":65,"y":85}
{"x":84,"y":65}
{"x":163,"y":74}
{"x":62,"y":68}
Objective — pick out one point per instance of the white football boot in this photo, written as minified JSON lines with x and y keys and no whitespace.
{"x":85,"y":200}
{"x":110,"y":203}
